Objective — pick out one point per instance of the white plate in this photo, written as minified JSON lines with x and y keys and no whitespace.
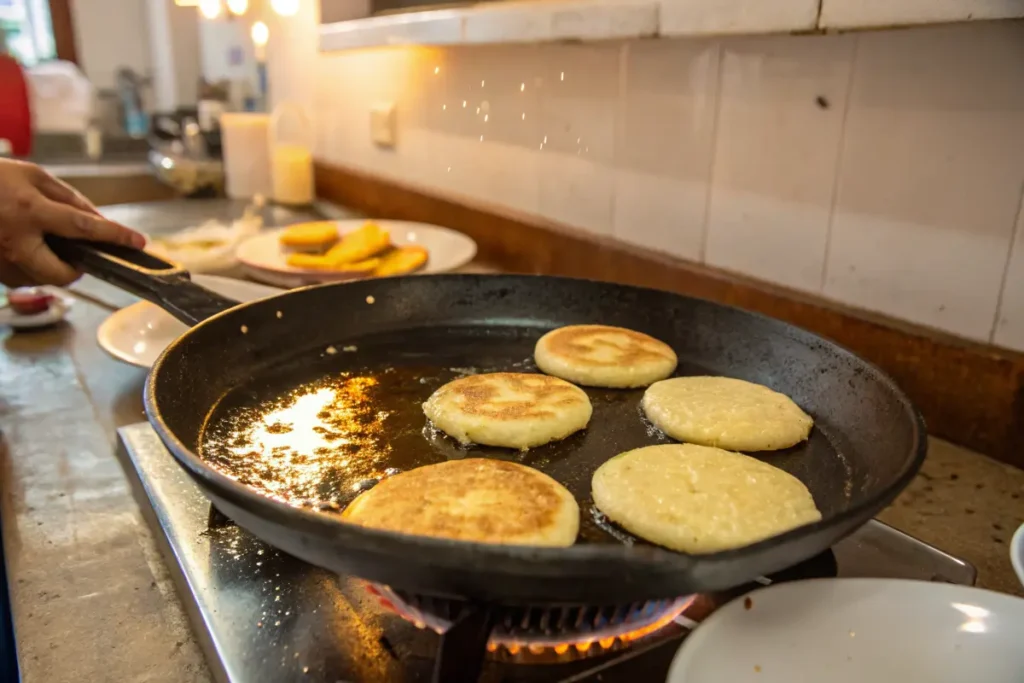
{"x":1017,"y":553}
{"x":139,"y":333}
{"x":57,"y":311}
{"x":265,"y":259}
{"x":858,"y":631}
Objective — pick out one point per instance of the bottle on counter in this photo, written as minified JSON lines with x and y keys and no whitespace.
{"x":93,"y":138}
{"x":290,"y":156}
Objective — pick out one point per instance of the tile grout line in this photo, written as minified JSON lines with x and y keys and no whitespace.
{"x":847,"y":105}
{"x":713,"y":157}
{"x":618,"y":130}
{"x":1018,"y":224}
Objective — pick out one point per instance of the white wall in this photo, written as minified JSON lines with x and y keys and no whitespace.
{"x":184,"y":22}
{"x":174,"y":46}
{"x":111,"y":34}
{"x":883,"y":170}
{"x":292,"y":57}
{"x":153,"y":37}
{"x":220,"y":39}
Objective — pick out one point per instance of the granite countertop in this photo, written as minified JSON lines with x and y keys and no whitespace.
{"x":968,"y":505}
{"x":91,"y":597}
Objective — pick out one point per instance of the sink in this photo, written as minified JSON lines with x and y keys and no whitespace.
{"x":114,"y":183}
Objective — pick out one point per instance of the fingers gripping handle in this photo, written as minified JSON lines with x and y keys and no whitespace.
{"x":167,"y":285}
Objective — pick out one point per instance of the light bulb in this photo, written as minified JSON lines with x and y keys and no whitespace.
{"x":210,"y":8}
{"x":238,"y":7}
{"x":285,"y":8}
{"x":260,"y":33}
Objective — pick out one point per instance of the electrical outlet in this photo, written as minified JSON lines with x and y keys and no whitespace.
{"x":382,"y":124}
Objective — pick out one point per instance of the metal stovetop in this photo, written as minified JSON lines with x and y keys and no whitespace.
{"x":265,"y":617}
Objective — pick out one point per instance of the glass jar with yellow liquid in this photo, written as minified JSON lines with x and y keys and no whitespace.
{"x":291,"y":160}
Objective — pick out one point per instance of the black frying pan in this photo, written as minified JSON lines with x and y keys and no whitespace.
{"x":384,"y":345}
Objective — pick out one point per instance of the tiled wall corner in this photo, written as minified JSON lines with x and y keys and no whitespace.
{"x":485,"y":129}
{"x":663,"y":144}
{"x":932,"y":169}
{"x":292,"y":56}
{"x":1009,"y":327}
{"x":578,"y":102}
{"x":348,"y":85}
{"x":779,"y":131}
{"x":420,"y":107}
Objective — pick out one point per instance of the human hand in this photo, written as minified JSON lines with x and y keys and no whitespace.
{"x":32,"y":204}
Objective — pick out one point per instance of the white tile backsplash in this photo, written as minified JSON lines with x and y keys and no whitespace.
{"x":422,"y":107}
{"x":881,"y":169}
{"x":663,"y":145}
{"x":777,"y":147}
{"x":577,"y":192}
{"x":292,"y":55}
{"x":579,"y":90}
{"x":500,"y":95}
{"x":491,"y":172}
{"x":1009,"y":327}
{"x":486,"y":125}
{"x":371,"y":77}
{"x":931,"y":176}
{"x":578,"y":96}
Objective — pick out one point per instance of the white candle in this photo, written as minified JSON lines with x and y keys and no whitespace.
{"x":246,"y":154}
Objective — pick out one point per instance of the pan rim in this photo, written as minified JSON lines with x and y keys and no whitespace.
{"x":576,"y":555}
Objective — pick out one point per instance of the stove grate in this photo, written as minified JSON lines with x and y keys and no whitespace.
{"x":539,"y":628}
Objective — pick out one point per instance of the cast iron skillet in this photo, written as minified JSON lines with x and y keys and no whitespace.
{"x":402,"y":337}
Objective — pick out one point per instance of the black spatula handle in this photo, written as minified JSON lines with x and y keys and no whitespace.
{"x":165,"y":284}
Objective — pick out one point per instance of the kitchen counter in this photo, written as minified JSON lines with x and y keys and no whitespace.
{"x":91,"y":597}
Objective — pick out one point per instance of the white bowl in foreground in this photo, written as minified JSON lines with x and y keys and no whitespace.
{"x":1017,"y":553}
{"x":858,"y":631}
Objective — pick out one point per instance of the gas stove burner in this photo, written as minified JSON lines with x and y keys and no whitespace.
{"x":331,"y":629}
{"x":543,"y":633}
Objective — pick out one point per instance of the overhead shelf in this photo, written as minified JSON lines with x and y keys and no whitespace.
{"x":537,"y":21}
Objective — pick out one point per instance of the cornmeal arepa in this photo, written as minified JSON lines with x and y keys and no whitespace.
{"x":310,"y":238}
{"x":726,"y":413}
{"x":401,"y":260}
{"x":513,"y":410}
{"x":698,"y":499}
{"x":604,"y":356}
{"x":367,"y":241}
{"x":476,"y":499}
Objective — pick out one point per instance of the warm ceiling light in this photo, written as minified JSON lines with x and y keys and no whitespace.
{"x":210,"y":8}
{"x":186,"y":3}
{"x":285,"y":8}
{"x":260,"y":33}
{"x":238,"y":7}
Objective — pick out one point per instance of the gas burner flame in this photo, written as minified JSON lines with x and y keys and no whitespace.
{"x":635,"y":623}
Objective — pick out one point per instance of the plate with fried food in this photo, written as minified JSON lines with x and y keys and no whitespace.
{"x":332,"y":251}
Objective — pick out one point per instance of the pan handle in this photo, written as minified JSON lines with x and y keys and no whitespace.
{"x":167,"y":285}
